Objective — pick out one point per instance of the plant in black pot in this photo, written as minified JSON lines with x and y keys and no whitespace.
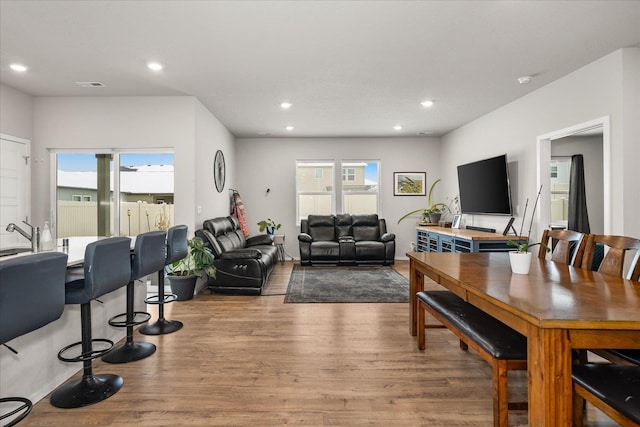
{"x":184,"y":274}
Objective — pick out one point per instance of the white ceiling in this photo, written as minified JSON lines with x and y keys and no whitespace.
{"x":350,"y":68}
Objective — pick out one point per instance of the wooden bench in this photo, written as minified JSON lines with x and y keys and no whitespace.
{"x":502,"y":347}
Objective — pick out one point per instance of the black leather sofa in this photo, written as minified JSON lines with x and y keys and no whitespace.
{"x":346,"y":239}
{"x":243,"y":265}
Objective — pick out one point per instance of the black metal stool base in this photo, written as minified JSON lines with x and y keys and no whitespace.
{"x":86,"y":391}
{"x":161,"y":327}
{"x":130,"y":352}
{"x":23,"y":409}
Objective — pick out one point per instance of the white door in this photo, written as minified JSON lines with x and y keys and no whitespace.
{"x":14,"y":189}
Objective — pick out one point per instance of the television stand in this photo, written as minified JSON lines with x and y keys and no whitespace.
{"x":440,"y":239}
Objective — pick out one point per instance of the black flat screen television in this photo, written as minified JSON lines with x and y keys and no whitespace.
{"x":484,"y":187}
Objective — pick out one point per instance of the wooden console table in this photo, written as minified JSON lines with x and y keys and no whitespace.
{"x":441,"y":239}
{"x":557,"y":307}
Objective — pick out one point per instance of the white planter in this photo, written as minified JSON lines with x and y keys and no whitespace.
{"x":520,"y":262}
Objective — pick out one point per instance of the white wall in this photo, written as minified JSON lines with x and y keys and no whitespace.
{"x":591,"y":92}
{"x":211,"y":136}
{"x":270,"y":163}
{"x":16,"y":112}
{"x":630,"y":182}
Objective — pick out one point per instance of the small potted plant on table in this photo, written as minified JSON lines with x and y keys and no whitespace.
{"x":520,"y":259}
{"x":270,"y":225}
{"x":184,"y":274}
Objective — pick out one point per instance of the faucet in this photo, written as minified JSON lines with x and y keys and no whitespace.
{"x":34,"y":238}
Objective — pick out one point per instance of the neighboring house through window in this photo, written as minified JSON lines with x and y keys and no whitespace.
{"x":356,"y":191}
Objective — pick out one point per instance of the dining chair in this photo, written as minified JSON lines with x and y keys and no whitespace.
{"x":613,"y":389}
{"x":31,"y":296}
{"x":613,"y":263}
{"x":610,"y":387}
{"x":614,"y":259}
{"x":567,"y":246}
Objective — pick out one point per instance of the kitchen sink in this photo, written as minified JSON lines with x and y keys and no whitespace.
{"x":13,"y":251}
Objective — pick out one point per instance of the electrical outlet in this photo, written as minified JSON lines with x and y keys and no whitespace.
{"x":199,"y":210}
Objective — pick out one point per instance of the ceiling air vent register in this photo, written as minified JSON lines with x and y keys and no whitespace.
{"x":90,"y":84}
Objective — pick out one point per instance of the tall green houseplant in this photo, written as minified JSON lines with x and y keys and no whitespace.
{"x":432,"y":208}
{"x":199,"y":260}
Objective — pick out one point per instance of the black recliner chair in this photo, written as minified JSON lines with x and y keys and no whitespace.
{"x":31,"y":296}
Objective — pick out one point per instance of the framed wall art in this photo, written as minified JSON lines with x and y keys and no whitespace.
{"x":409,"y":183}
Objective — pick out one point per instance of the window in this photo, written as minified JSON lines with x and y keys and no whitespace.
{"x":317,"y":192}
{"x":360,"y":184}
{"x":560,"y":173}
{"x":348,"y":174}
{"x":314,"y":188}
{"x":137,"y":199}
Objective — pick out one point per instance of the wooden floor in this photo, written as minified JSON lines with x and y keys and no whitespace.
{"x":254,"y":361}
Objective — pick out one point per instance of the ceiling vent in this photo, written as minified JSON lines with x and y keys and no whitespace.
{"x":90,"y":84}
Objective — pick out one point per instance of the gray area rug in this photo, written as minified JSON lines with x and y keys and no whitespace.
{"x":346,"y":284}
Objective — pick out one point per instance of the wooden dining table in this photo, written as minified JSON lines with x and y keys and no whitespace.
{"x":557,"y":307}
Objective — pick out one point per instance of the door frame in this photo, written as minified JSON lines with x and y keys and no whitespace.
{"x":27,"y":144}
{"x":544,"y":167}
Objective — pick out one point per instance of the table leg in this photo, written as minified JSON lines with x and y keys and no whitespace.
{"x":549,"y":366}
{"x":416,"y":284}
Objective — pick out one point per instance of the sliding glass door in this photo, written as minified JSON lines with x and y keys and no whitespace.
{"x":92,"y":200}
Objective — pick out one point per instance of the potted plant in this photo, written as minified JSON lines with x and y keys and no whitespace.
{"x":184,"y":273}
{"x":433,"y":211}
{"x":520,"y":259}
{"x":270,"y":225}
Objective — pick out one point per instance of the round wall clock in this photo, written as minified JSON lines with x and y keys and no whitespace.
{"x":218,"y":171}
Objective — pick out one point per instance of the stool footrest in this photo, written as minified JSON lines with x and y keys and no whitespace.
{"x":123,"y":323}
{"x":155,"y":299}
{"x":25,"y":407}
{"x":93,"y":354}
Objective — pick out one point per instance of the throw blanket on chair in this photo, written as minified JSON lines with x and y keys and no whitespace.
{"x":237,"y":209}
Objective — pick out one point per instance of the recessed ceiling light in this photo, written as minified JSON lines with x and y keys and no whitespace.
{"x":427,"y":103}
{"x":289,"y":128}
{"x":286,"y":105}
{"x":524,"y":80}
{"x":397,"y":127}
{"x":155,"y":66}
{"x":18,"y":67}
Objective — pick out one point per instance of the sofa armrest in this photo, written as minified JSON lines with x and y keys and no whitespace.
{"x":388,"y":237}
{"x":260,"y":239}
{"x":242,"y":254}
{"x":304,"y":237}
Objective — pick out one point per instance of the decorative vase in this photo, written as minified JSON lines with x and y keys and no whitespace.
{"x":183,"y":286}
{"x":270,"y":231}
{"x":520,"y":262}
{"x":434,"y":218}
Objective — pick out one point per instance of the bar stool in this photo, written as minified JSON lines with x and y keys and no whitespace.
{"x":148,"y":257}
{"x":107,"y":267}
{"x":31,"y":296}
{"x":177,"y":248}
